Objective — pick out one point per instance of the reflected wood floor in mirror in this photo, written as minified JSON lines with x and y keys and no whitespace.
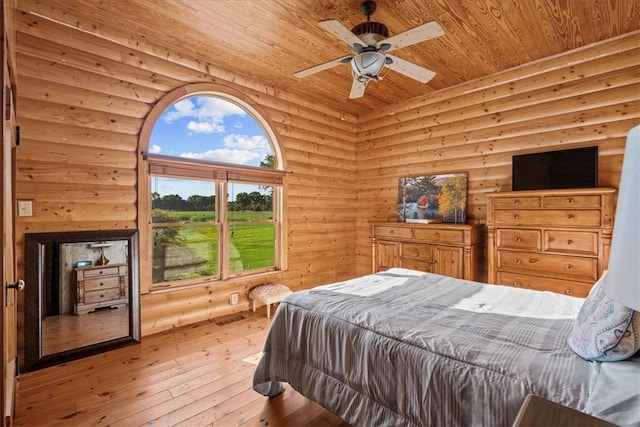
{"x":68,"y":331}
{"x":197,"y":375}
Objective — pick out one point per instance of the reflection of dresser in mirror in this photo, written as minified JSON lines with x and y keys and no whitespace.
{"x":101,"y":286}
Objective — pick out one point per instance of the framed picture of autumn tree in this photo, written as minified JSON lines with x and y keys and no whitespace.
{"x":433,"y":198}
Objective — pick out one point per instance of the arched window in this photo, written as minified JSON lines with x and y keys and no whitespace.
{"x":215,"y":191}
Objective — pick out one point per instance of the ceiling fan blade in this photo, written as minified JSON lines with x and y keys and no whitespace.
{"x":336,"y":28}
{"x":320,"y":67}
{"x":357,"y":89}
{"x":415,"y":35}
{"x":410,"y":69}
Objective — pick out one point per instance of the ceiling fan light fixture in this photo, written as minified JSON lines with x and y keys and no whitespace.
{"x":367,"y":65}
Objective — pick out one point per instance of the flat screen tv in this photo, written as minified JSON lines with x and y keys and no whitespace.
{"x":574,"y":168}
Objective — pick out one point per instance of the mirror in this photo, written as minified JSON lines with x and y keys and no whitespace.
{"x":82,"y":295}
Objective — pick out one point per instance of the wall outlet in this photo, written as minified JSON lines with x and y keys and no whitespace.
{"x":233,"y":300}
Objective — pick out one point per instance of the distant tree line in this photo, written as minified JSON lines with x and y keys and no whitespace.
{"x":254,"y":201}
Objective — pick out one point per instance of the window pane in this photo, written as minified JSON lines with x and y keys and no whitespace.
{"x":182,"y":200}
{"x":184,"y":252}
{"x":251,"y":247}
{"x":250,"y":203}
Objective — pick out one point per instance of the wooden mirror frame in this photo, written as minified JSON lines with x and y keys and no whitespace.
{"x":34,"y":244}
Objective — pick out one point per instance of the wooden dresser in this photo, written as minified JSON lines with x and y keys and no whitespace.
{"x":553,"y":240}
{"x":101,"y":286}
{"x":447,"y":249}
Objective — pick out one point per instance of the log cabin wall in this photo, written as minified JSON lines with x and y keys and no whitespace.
{"x":582,"y":98}
{"x":82,"y":101}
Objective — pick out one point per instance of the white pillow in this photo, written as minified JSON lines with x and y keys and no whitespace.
{"x":605,"y":330}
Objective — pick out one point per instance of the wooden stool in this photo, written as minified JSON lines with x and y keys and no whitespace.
{"x":268,"y":294}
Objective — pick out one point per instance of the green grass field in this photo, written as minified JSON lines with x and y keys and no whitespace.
{"x":204,"y":216}
{"x":251,"y":245}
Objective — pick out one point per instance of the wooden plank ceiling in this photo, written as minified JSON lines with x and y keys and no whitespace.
{"x":268,"y":40}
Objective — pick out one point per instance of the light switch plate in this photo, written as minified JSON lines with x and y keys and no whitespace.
{"x":25,"y":208}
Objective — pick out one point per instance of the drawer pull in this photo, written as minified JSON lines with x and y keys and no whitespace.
{"x":518,"y":239}
{"x":517,"y":284}
{"x":101,"y":272}
{"x":101,"y":295}
{"x":533,"y":260}
{"x":436,"y":235}
{"x":516,"y":201}
{"x":569,"y":267}
{"x":516,"y":261}
{"x":570,"y":216}
{"x":516,"y":216}
{"x":101,"y":284}
{"x":392,"y":232}
{"x":569,"y":201}
{"x":569,"y":242}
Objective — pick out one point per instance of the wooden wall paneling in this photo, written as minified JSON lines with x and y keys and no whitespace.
{"x":489,"y":87}
{"x":36,"y":130}
{"x":60,"y":153}
{"x":98,"y":175}
{"x":40,"y":90}
{"x":42,"y":29}
{"x":476,"y":118}
{"x":85,"y":60}
{"x":144,"y":52}
{"x":63,"y":74}
{"x":52,"y":192}
{"x":54,"y":112}
{"x":585,"y":97}
{"x":342,"y":169}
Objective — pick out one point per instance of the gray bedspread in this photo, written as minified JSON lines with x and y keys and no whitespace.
{"x":402,"y":348}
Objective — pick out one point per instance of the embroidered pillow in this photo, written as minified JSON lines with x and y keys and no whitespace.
{"x":605,"y":330}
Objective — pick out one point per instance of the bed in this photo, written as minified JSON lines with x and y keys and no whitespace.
{"x":406,"y":348}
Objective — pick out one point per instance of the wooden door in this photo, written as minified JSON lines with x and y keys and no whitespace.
{"x":386,"y":255}
{"x":448,"y":261}
{"x":8,"y":298}
{"x":7,"y":251}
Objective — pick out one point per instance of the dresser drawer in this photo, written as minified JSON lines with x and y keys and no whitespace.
{"x":518,"y":239}
{"x":572,"y":201}
{"x":105,"y":271}
{"x":550,"y":217}
{"x":101,"y":296}
{"x":439,"y":235}
{"x":562,"y":286}
{"x":417,"y":250}
{"x":576,"y":242}
{"x":101,"y":283}
{"x":585,"y":268}
{"x":418,"y":265}
{"x":517,"y":202}
{"x":397,"y":232}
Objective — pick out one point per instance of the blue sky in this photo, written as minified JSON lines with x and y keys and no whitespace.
{"x":207,"y":128}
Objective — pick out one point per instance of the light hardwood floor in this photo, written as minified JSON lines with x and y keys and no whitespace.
{"x":197,"y":375}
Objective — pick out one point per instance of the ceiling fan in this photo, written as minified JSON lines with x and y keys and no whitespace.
{"x":370,"y":42}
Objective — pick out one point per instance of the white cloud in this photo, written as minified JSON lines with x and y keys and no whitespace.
{"x":205,"y":127}
{"x":155,"y":148}
{"x":225,"y":155}
{"x":254,"y":143}
{"x":208,"y":113}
